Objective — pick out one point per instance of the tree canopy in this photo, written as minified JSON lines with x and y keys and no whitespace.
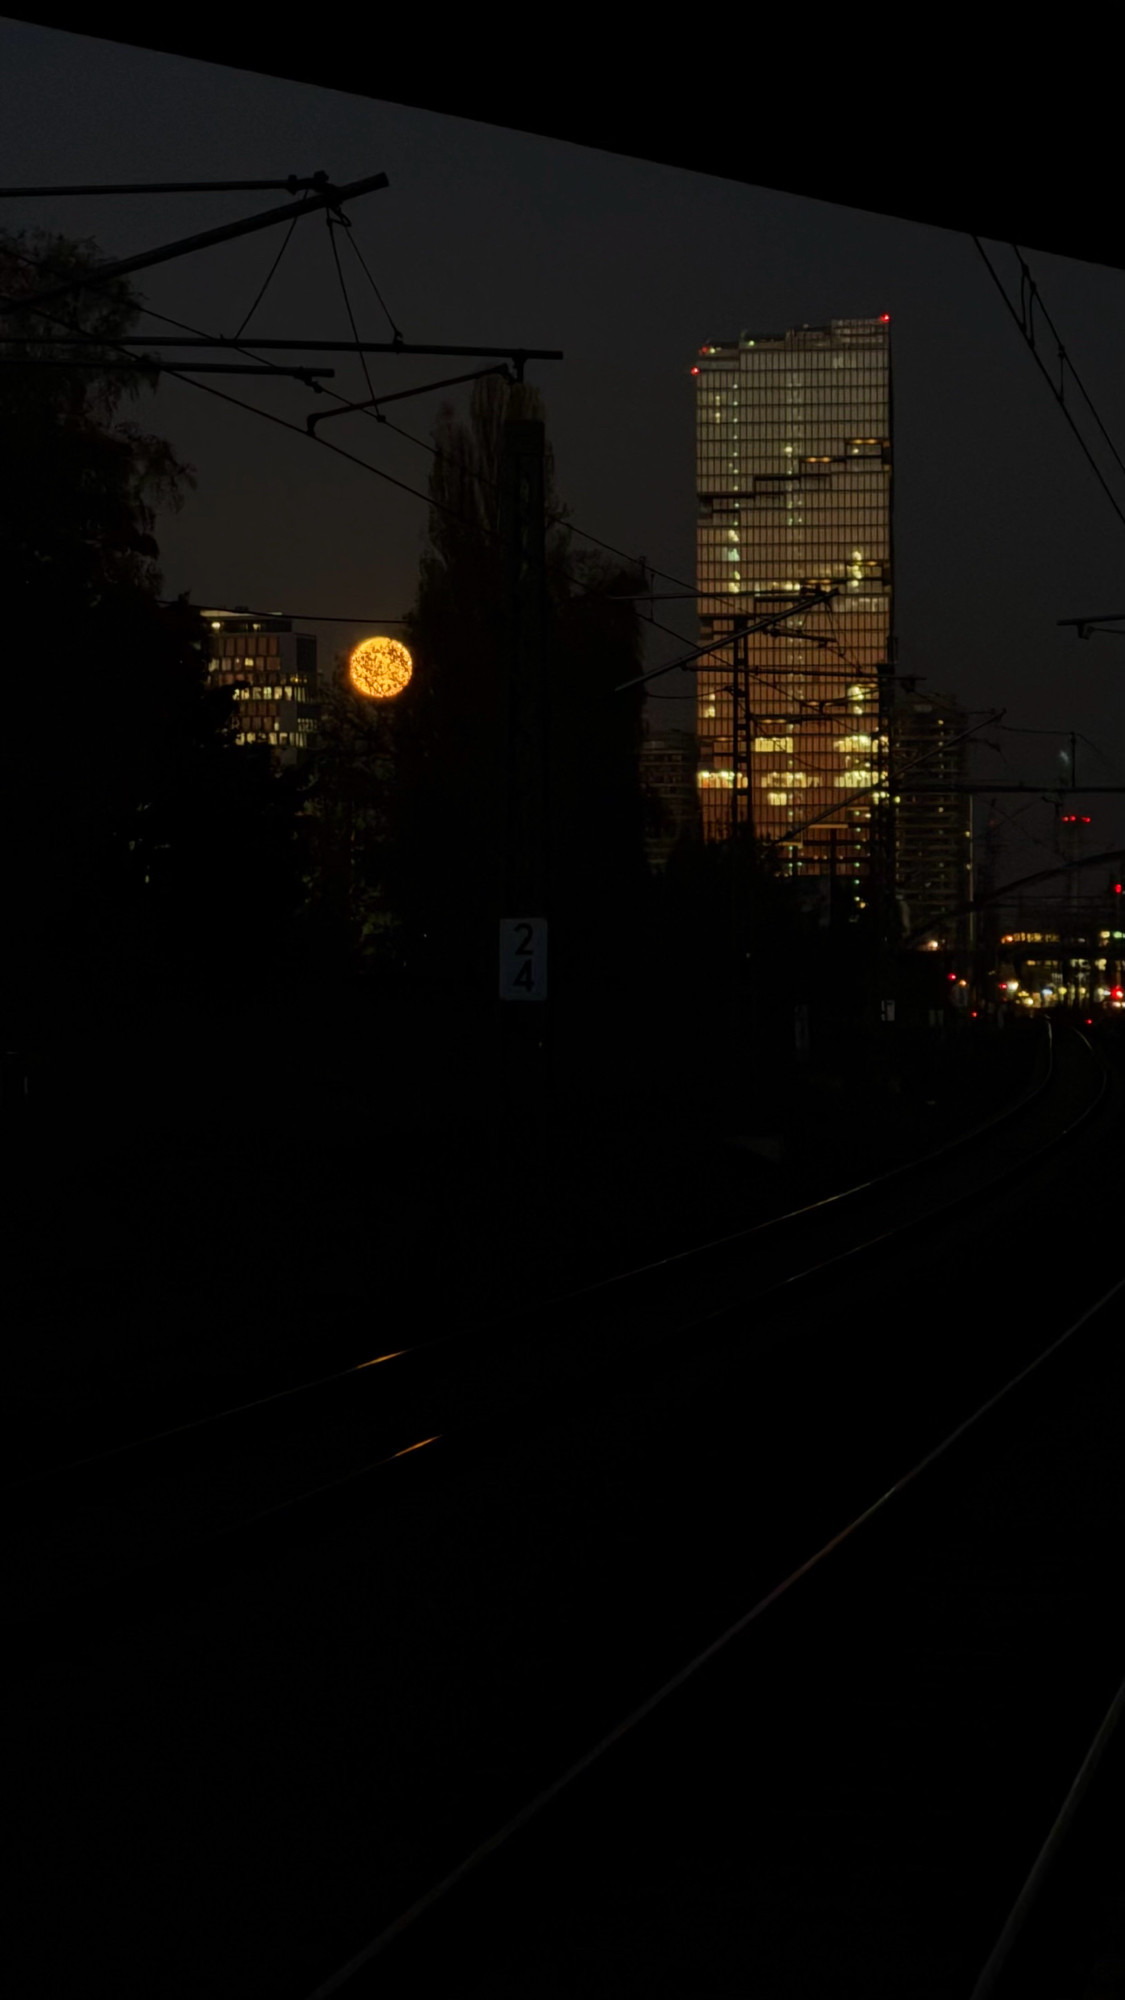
{"x":142,"y":851}
{"x":450,"y":782}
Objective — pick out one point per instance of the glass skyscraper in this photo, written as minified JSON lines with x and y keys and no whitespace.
{"x":793,"y":474}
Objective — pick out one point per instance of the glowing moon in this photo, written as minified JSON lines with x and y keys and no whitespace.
{"x":380,"y":668}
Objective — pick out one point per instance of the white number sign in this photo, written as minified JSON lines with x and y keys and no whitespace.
{"x":523,"y":958}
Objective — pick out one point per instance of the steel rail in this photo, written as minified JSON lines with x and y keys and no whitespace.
{"x":675,"y":1260}
{"x":581,"y":1764}
{"x":602,"y":1375}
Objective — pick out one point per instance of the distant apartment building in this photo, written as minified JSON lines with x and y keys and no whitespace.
{"x":793,"y":481}
{"x":668,"y":775}
{"x":272,"y":671}
{"x":932,"y":817}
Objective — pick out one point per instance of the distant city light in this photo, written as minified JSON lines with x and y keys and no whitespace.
{"x":380,"y":668}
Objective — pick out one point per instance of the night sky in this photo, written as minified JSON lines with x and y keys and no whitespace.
{"x":491,"y":236}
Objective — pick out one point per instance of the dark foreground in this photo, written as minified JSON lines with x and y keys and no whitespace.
{"x":232,"y":1790}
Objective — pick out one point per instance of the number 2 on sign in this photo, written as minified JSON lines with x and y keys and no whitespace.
{"x":523,"y":958}
{"x":525,"y":977}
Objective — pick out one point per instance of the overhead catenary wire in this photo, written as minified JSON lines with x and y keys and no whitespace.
{"x":563,"y":520}
{"x":183,"y":374}
{"x":331,"y":222}
{"x":293,"y":183}
{"x":1029,"y":287}
{"x":554,"y":520}
{"x":307,"y":617}
{"x":641,"y":563}
{"x":866,"y":792}
{"x":88,"y":277}
{"x":268,"y":279}
{"x":371,"y":281}
{"x":1058,"y":395}
{"x":298,"y":430}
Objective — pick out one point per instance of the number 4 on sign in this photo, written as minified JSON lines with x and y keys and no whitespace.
{"x":523,"y":958}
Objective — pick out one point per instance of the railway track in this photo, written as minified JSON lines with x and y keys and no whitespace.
{"x":867,"y":1782}
{"x":419,"y":1655}
{"x":98,"y":1524}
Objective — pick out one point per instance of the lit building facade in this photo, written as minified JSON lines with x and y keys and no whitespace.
{"x":793,"y":477}
{"x":668,"y":773}
{"x":933,"y":827}
{"x":273,"y":673}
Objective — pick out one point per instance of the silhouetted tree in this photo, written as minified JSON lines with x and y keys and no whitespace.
{"x":347,"y":915}
{"x":143,"y":854}
{"x":449,"y":784}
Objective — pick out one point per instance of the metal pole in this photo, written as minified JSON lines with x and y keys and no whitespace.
{"x":524,"y":1029}
{"x":102,"y":274}
{"x":734,"y":691}
{"x":293,"y":182}
{"x":514,"y":354}
{"x":739,"y":647}
{"x":751,"y":821}
{"x":140,"y":364}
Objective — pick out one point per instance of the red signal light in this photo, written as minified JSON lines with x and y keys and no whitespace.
{"x":695,"y":371}
{"x":1119,"y":993}
{"x":1117,"y":888}
{"x":884,"y":319}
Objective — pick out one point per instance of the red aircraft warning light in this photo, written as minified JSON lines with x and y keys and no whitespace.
{"x":884,"y":319}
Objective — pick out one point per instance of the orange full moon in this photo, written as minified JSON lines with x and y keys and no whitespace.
{"x":380,"y":668}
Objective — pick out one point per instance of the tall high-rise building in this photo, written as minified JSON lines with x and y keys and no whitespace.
{"x":273,"y":672}
{"x":933,"y":827}
{"x":793,"y":474}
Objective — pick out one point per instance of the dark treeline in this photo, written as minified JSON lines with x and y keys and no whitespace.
{"x":149,"y":866}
